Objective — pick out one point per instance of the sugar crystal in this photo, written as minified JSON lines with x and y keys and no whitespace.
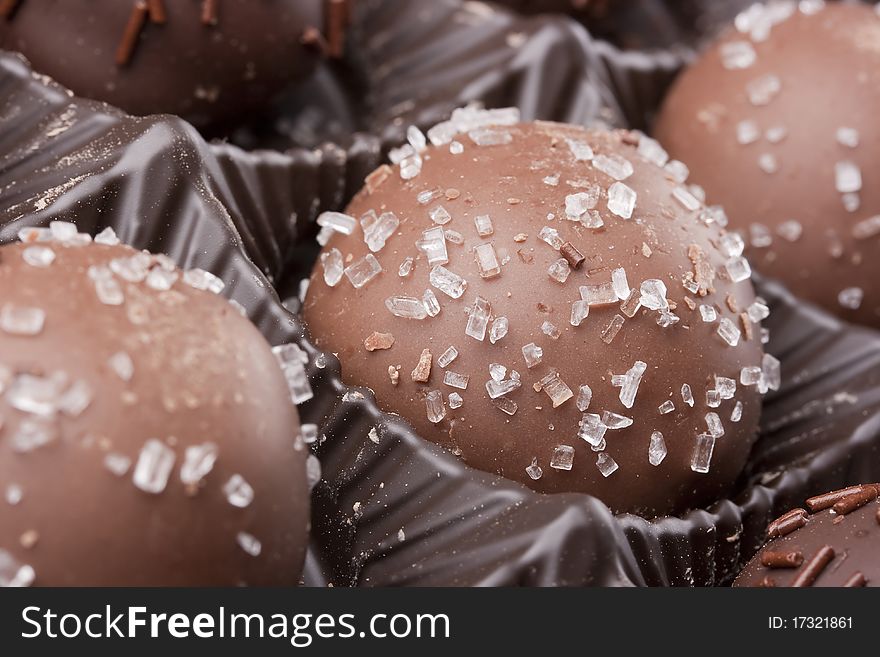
{"x":238,"y":491}
{"x":736,"y":413}
{"x":38,"y":256}
{"x":687,"y":200}
{"x":331,"y":261}
{"x":579,"y":312}
{"x":758,"y":311}
{"x":731,"y":244}
{"x":451,"y":284}
{"x":21,"y":320}
{"x":737,"y":55}
{"x":433,"y":245}
{"x":847,"y":177}
{"x":337,"y":221}
{"x":430,"y":302}
{"x":406,"y":307}
{"x":456,"y":380}
{"x":499,"y":329}
{"x":484,"y":225}
{"x":478,"y":319}
{"x":447,"y":356}
{"x":656,"y":449}
{"x":249,"y":543}
{"x":708,"y":313}
{"x":760,"y":236}
{"x":666,"y":407}
{"x":606,"y":465}
{"x":107,"y":237}
{"x":851,"y":297}
{"x":591,"y":429}
{"x":117,"y":464}
{"x":762,"y":90}
{"x":434,"y":405}
{"x":581,"y":150}
{"x":613,"y":328}
{"x":406,"y":267}
{"x":632,"y":303}
{"x":550,"y":329}
{"x":726,"y":387}
{"x":621,"y":200}
{"x":362,"y":271}
{"x":768,"y":163}
{"x":455,"y":400}
{"x":551,"y":236}
{"x":600,"y":294}
{"x":848,"y":137}
{"x":614,"y":421}
{"x":713,"y":423}
{"x":439,"y":215}
{"x":534,"y":470}
{"x":653,"y":294}
{"x":556,"y":389}
{"x":532,"y":354}
{"x":686,"y":395}
{"x":505,"y":405}
{"x":376,"y":234}
{"x":563,"y":457}
{"x":729,"y":332}
{"x":198,"y":461}
{"x":747,"y":132}
{"x":487,"y":261}
{"x":613,"y":165}
{"x":584,"y":397}
{"x":559,"y":270}
{"x":154,"y":465}
{"x":631,"y":383}
{"x":652,"y":151}
{"x":702,"y":455}
{"x":32,"y":433}
{"x":13,"y":573}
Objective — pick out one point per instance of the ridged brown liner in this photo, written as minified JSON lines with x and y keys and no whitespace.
{"x":423,"y":517}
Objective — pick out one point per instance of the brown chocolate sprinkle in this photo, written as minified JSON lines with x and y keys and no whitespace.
{"x":793,"y":559}
{"x":422,"y":372}
{"x":157,"y":11}
{"x":828,"y":500}
{"x":209,"y":12}
{"x":336,"y":20}
{"x":7,"y":8}
{"x":814,"y":567}
{"x":376,"y":341}
{"x":574,"y":257}
{"x":748,"y":333}
{"x":855,"y":500}
{"x":855,"y":580}
{"x":732,"y":303}
{"x":132,"y":33}
{"x":787,"y":523}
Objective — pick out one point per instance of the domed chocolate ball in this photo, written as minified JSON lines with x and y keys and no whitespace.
{"x":211,"y":62}
{"x":147,"y":436}
{"x":835,"y":541}
{"x":552,"y":306}
{"x":778,"y":121}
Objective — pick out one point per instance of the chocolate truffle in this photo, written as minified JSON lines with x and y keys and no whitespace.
{"x":211,"y":62}
{"x":835,"y":541}
{"x":147,"y":435}
{"x":778,"y":121}
{"x":552,"y":306}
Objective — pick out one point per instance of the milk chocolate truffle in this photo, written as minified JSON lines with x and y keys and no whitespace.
{"x":147,"y":436}
{"x":552,"y":305}
{"x":210,"y":61}
{"x":778,"y":121}
{"x":835,"y":541}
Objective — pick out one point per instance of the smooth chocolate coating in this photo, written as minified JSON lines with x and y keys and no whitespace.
{"x":852,"y":536}
{"x":828,"y":69}
{"x":199,"y":373}
{"x":210,"y":74}
{"x":507,"y":182}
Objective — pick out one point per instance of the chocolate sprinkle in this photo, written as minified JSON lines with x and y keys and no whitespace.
{"x":792,"y":559}
{"x":574,"y":257}
{"x":814,"y":567}
{"x":828,"y":500}
{"x":132,"y":33}
{"x":856,"y":580}
{"x":787,"y":523}
{"x":8,"y":7}
{"x":209,"y":12}
{"x":157,"y":11}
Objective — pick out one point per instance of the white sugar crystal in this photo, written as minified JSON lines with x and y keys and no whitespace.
{"x":118,"y":464}
{"x":632,"y":303}
{"x":847,"y":176}
{"x":453,"y":236}
{"x":442,"y":133}
{"x":759,"y":236}
{"x":551,"y":236}
{"x":617,"y":380}
{"x":32,"y":433}
{"x":620,"y":284}
{"x":107,"y":237}
{"x":666,"y":407}
{"x":737,"y":55}
{"x":713,"y":423}
{"x":198,"y":461}
{"x":556,"y":389}
{"x":532,"y":354}
{"x":63,"y":231}
{"x":410,"y":167}
{"x":580,"y":310}
{"x":534,"y":470}
{"x":770,"y":373}
{"x":726,"y":387}
{"x":313,"y":471}
{"x":13,"y":573}
{"x":484,"y":225}
{"x":292,"y":361}
{"x":398,"y":155}
{"x":750,"y":376}
{"x":450,"y":283}
{"x":758,"y":311}
{"x":456,"y":148}
{"x":592,"y":429}
{"x":249,"y":543}
{"x":630,"y":386}
{"x":505,"y":405}
{"x":728,"y":332}
{"x":621,"y":200}
{"x":790,"y":230}
{"x":447,"y":356}
{"x":36,"y":395}
{"x":362,"y":271}
{"x":38,"y":256}
{"x":238,"y":491}
{"x":431,"y":304}
{"x":14,"y":494}
{"x":687,"y":200}
{"x":678,"y":170}
{"x":656,"y":449}
{"x":713,"y":398}
{"x":559,"y":270}
{"x":331,"y":261}
{"x":848,"y":137}
{"x":563,"y":457}
{"x":406,"y":267}
{"x":686,"y":395}
{"x":499,"y":329}
{"x":552,"y":181}
{"x":550,"y":329}
{"x":490,"y":137}
{"x":732,"y":244}
{"x":768,"y":163}
{"x":435,"y":407}
{"x":456,"y":380}
{"x":851,"y":297}
{"x":204,"y":280}
{"x":653,"y":294}
{"x":376,"y":234}
{"x":423,"y":198}
{"x":612,"y":329}
{"x":762,"y":90}
{"x":498,"y":389}
{"x":497,"y":371}
{"x":652,"y":151}
{"x":433,"y":245}
{"x":133,"y":269}
{"x":580,"y":203}
{"x":478,"y":319}
{"x":867,"y":228}
{"x":738,"y":269}
{"x":747,"y":132}
{"x":606,"y":465}
{"x":416,"y":138}
{"x":407,"y":307}
{"x":614,"y":166}
{"x":439,"y":215}
{"x":702,"y":455}
{"x":584,"y":397}
{"x":309,"y":433}
{"x":851,"y":201}
{"x":160,"y":279}
{"x":154,"y":465}
{"x":666,"y":319}
{"x":708,"y":313}
{"x":487,"y":260}
{"x":21,"y":320}
{"x":737,"y":412}
{"x":775,"y":134}
{"x":600,"y":294}
{"x":614,"y":421}
{"x":580,"y":150}
{"x":33,"y":234}
{"x":76,"y":399}
{"x":337,"y":221}
{"x":455,"y":400}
